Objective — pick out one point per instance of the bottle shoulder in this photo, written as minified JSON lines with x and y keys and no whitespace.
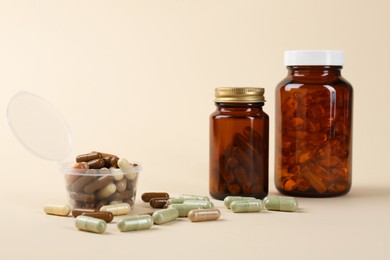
{"x":289,"y":83}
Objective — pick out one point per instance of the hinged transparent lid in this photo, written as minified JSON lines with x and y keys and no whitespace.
{"x":39,"y":127}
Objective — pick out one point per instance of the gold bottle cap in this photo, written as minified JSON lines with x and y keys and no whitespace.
{"x":239,"y":95}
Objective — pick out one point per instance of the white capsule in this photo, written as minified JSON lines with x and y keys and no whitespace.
{"x":58,"y":210}
{"x":118,"y":209}
{"x":106,"y":191}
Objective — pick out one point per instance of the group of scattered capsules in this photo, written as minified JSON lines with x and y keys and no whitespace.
{"x":195,"y":208}
{"x":239,"y":204}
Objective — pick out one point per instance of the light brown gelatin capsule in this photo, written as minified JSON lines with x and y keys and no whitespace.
{"x":199,"y":215}
{"x":147,"y":196}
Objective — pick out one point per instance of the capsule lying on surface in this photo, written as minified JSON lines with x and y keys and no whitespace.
{"x":205,"y":204}
{"x":117,"y":209}
{"x":229,"y":199}
{"x":243,"y":206}
{"x":184,"y":209}
{"x":165,"y":215}
{"x":58,"y":210}
{"x":91,"y":224}
{"x":281,"y":203}
{"x":134,"y":223}
{"x":198,"y":215}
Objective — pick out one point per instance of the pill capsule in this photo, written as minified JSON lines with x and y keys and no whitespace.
{"x":90,"y":224}
{"x":184,"y":209}
{"x":121,"y":185}
{"x":98,"y":184}
{"x":106,"y":191}
{"x":134,"y":223}
{"x":87,"y":198}
{"x":194,"y":197}
{"x":281,"y":203}
{"x":147,"y":196}
{"x":158,"y":203}
{"x":125,"y":166}
{"x":229,"y":199}
{"x":104,"y":215}
{"x":78,"y":211}
{"x":58,"y":210}
{"x":96,"y":163}
{"x":165,"y":215}
{"x":88,"y":157}
{"x":198,"y":215}
{"x":79,"y":184}
{"x":241,"y":206}
{"x":205,"y":204}
{"x":118,"y":209}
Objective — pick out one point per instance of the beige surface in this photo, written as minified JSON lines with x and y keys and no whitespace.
{"x":136,"y":78}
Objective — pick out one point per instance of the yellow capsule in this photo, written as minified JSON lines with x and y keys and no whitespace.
{"x":58,"y":210}
{"x":198,"y":215}
{"x":90,"y":224}
{"x":117,"y":209}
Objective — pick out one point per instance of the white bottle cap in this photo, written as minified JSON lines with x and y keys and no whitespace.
{"x":314,"y":58}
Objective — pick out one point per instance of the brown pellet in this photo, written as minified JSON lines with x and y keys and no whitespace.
{"x":105,"y":215}
{"x":78,"y":211}
{"x":158,"y":203}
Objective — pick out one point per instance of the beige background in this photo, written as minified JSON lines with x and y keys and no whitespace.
{"x":137,"y":78}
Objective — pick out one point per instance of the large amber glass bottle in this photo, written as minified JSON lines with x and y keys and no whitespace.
{"x":313,"y":124}
{"x":239,"y":131}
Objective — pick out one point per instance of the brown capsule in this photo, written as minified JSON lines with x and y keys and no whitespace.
{"x":98,"y":184}
{"x":78,"y":211}
{"x":87,"y":198}
{"x":96,"y":163}
{"x":158,"y":203}
{"x":104,"y":215}
{"x":88,"y":157}
{"x":147,"y":196}
{"x":110,"y":161}
{"x":121,"y":195}
{"x":81,"y":182}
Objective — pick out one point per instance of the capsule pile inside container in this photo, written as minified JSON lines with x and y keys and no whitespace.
{"x":99,"y":179}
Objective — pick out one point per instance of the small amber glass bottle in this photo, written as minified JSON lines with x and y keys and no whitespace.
{"x":313,"y":124}
{"x":239,"y":131}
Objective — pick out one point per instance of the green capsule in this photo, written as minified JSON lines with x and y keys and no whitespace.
{"x":165,"y":215}
{"x":241,"y":206}
{"x":205,"y":204}
{"x":90,"y":224}
{"x":229,"y":199}
{"x":184,"y":209}
{"x":133,"y":223}
{"x":194,"y":197}
{"x":175,"y":201}
{"x":281,"y":203}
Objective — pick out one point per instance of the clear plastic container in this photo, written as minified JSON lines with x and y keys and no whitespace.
{"x":41,"y":129}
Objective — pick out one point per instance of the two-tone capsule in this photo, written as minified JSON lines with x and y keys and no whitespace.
{"x":133,"y":223}
{"x":243,"y":206}
{"x":281,"y":203}
{"x":58,"y":210}
{"x":198,"y":215}
{"x":165,"y":215}
{"x":91,"y":224}
{"x":229,"y":199}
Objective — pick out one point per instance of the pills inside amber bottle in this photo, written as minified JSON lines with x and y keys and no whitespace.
{"x":134,"y":223}
{"x":198,"y":215}
{"x":90,"y":224}
{"x":280,"y":203}
{"x":58,"y":210}
{"x":147,"y":196}
{"x":165,"y":215}
{"x":243,"y":206}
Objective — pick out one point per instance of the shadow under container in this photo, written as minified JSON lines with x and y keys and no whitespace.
{"x":313,"y":126}
{"x":94,"y":188}
{"x":239,"y":133}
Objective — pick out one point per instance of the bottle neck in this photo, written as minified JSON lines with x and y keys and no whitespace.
{"x":239,"y":107}
{"x":307,"y":72}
